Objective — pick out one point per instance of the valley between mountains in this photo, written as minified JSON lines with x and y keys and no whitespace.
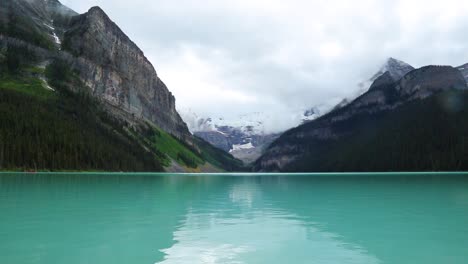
{"x":77,"y":94}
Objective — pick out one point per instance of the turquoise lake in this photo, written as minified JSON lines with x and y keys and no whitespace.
{"x":143,"y":218}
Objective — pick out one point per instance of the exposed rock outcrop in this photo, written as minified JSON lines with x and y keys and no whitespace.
{"x":429,"y":80}
{"x":89,"y":55}
{"x":118,"y":72}
{"x":396,"y":68}
{"x":464,"y":70}
{"x":216,"y":138}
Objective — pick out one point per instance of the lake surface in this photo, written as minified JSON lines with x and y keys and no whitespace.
{"x":132,"y":218}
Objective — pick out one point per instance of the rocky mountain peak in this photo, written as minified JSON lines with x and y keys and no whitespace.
{"x":96,"y":13}
{"x":96,"y":10}
{"x":396,"y":69}
{"x":118,"y":71}
{"x":303,"y":147}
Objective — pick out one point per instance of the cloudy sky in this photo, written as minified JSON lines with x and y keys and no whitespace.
{"x":278,"y":57}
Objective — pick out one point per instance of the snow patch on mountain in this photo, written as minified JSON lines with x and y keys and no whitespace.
{"x":255,"y":123}
{"x":397,"y":69}
{"x":53,"y":33}
{"x":241,"y":147}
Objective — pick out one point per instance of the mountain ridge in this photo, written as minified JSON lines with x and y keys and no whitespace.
{"x":127,"y":80}
{"x":89,"y":58}
{"x":295,"y":145}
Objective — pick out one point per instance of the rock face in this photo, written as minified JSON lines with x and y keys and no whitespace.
{"x":429,"y":80}
{"x":396,"y":69}
{"x":98,"y":59}
{"x":385,"y":95}
{"x":118,"y":72}
{"x":216,"y":138}
{"x":384,"y":80}
{"x":391,"y":71}
{"x":108,"y":62}
{"x":464,"y":70}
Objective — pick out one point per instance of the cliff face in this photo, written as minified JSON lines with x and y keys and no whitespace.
{"x":329,"y":131}
{"x":74,"y":56}
{"x":429,"y":80}
{"x":118,"y":72}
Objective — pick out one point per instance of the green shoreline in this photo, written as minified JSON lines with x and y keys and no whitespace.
{"x":461,"y":173}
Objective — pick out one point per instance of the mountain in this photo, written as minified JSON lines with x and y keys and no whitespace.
{"x":415,"y":123}
{"x":82,"y":73}
{"x":117,"y":71}
{"x":245,"y":137}
{"x":395,"y":69}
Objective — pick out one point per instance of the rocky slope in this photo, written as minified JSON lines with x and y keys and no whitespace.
{"x":118,"y":72}
{"x":306,"y":147}
{"x":394,"y":70}
{"x":107,"y":61}
{"x":89,"y":55}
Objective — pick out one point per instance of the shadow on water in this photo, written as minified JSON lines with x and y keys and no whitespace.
{"x":208,"y":219}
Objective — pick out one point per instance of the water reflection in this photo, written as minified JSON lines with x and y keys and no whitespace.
{"x":254,"y":231}
{"x":278,"y":219}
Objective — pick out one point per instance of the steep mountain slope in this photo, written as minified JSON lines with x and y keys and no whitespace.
{"x":395,"y":70}
{"x":64,"y":131}
{"x":117,"y":71}
{"x":381,"y":129}
{"x":88,"y":56}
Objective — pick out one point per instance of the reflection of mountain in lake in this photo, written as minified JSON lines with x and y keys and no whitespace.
{"x":217,"y":219}
{"x":243,"y":233}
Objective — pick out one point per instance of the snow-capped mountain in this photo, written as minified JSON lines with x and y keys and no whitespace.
{"x":244,"y":136}
{"x":247,"y":135}
{"x":255,"y":123}
{"x":396,"y":69}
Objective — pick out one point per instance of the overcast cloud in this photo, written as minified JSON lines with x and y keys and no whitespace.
{"x":239,"y":56}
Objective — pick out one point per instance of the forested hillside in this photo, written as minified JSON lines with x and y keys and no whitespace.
{"x":421,"y":136}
